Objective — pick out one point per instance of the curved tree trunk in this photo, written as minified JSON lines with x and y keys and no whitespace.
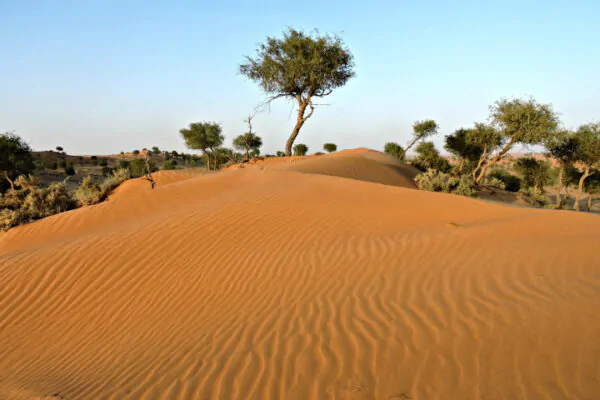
{"x":247,"y":152}
{"x":561,"y":172}
{"x":10,"y":181}
{"x":580,"y":188}
{"x":493,"y":161}
{"x":589,"y":204}
{"x":299,"y":122}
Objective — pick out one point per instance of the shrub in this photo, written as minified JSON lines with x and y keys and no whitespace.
{"x":330,"y":147}
{"x":430,"y":158}
{"x":511,"y":183}
{"x":61,"y":164}
{"x":171,"y":164}
{"x":535,"y":197}
{"x":69,"y":170}
{"x":123,"y":164}
{"x":138,"y":167}
{"x":88,"y":192}
{"x":103,"y":162}
{"x":280,"y":154}
{"x":437,"y":181}
{"x":535,"y":173}
{"x":300,"y":149}
{"x":395,"y":150}
{"x":106,"y":171}
{"x":135,"y":152}
{"x":495,"y":182}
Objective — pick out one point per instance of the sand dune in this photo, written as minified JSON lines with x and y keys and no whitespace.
{"x":291,"y":281}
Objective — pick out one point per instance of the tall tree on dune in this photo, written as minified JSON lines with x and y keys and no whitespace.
{"x":300,"y":67}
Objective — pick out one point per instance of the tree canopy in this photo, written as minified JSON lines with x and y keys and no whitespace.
{"x":300,"y":149}
{"x":204,"y":136}
{"x":247,"y":141}
{"x":461,"y":146}
{"x":15,"y":157}
{"x":330,"y":147}
{"x":395,"y":150}
{"x":300,"y":67}
{"x":421,"y":131}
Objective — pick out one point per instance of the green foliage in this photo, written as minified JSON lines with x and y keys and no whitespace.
{"x":95,"y":157}
{"x":563,"y":147}
{"x":69,"y":170}
{"x":280,"y":154}
{"x":59,"y":149}
{"x":511,"y":183}
{"x":89,"y":192}
{"x":138,"y":168}
{"x":395,"y":150}
{"x":330,"y":147}
{"x":462,"y":147}
{"x":587,"y":138}
{"x":15,"y":157}
{"x":437,"y":181}
{"x":106,"y":171}
{"x":155,"y":150}
{"x":135,"y":152}
{"x":123,"y":164}
{"x":247,"y":142}
{"x":524,"y":121}
{"x":300,"y":149}
{"x":203,"y":136}
{"x":300,"y":65}
{"x":424,"y":129}
{"x":535,"y":197}
{"x":170,"y":164}
{"x":103,"y":162}
{"x":534,"y":173}
{"x":429,"y":158}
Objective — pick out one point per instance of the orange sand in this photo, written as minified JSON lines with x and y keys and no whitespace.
{"x":285,"y":280}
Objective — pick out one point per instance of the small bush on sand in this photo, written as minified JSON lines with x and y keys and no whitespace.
{"x":437,"y":181}
{"x":172,"y":164}
{"x":536,"y":197}
{"x":496,"y":183}
{"x":88,"y":192}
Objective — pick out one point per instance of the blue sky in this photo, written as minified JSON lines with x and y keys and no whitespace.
{"x":108,"y":76}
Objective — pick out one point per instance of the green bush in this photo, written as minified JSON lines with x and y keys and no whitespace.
{"x":172,"y":164}
{"x":511,"y":183}
{"x":69,"y":170}
{"x":300,"y":149}
{"x":437,"y":181}
{"x":395,"y":150}
{"x":106,"y":171}
{"x":496,"y":183}
{"x":138,"y":167}
{"x":280,"y":154}
{"x":123,"y":164}
{"x":89,"y":193}
{"x":103,"y":162}
{"x":535,"y":197}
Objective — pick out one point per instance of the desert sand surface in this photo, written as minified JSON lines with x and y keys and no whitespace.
{"x":324,"y":277}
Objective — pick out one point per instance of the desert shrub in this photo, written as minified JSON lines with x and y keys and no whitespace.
{"x":138,"y":167}
{"x":171,"y":164}
{"x":61,"y":164}
{"x":511,"y":183}
{"x":330,"y":147}
{"x":103,"y":162}
{"x":88,"y":192}
{"x":135,"y":152}
{"x":437,"y":181}
{"x":495,"y":182}
{"x":428,"y":157}
{"x":300,"y":149}
{"x":395,"y":150}
{"x":123,"y":164}
{"x":535,"y":197}
{"x":69,"y":170}
{"x":280,"y":154}
{"x":534,"y":173}
{"x":106,"y":171}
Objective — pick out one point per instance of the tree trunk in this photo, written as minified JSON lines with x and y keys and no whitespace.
{"x":207,"y":159}
{"x":10,"y":181}
{"x":247,"y":152}
{"x":561,"y":172}
{"x":482,"y":160}
{"x":299,"y":122}
{"x":493,"y":161}
{"x":411,"y":144}
{"x":589,"y":204}
{"x":580,"y":188}
{"x":216,"y":164}
{"x":461,"y":166}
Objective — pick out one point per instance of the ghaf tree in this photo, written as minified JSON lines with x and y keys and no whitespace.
{"x":204,"y":136}
{"x":248,"y":141}
{"x":300,"y":67}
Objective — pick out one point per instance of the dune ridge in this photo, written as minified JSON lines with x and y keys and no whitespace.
{"x":322,"y":278}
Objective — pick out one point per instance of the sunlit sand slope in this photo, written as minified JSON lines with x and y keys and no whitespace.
{"x":264,"y":283}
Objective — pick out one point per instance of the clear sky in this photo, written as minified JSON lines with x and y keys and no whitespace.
{"x":99,"y":77}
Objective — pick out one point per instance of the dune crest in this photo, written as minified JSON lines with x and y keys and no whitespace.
{"x":325,"y":278}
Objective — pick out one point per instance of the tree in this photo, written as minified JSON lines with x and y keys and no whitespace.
{"x":592,"y":187}
{"x":519,"y":121}
{"x":248,"y":141}
{"x":204,"y":136}
{"x":280,"y":154}
{"x":428,"y":157}
{"x":460,"y":145}
{"x":300,"y":149}
{"x":563,"y":148}
{"x":489,"y":139}
{"x":534,"y":173}
{"x":155,"y":150}
{"x":587,"y":138}
{"x":300,"y":67}
{"x":395,"y":150}
{"x":135,"y":153}
{"x":59,"y":149}
{"x":330,"y":147}
{"x":421,"y":131}
{"x":15,"y":157}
